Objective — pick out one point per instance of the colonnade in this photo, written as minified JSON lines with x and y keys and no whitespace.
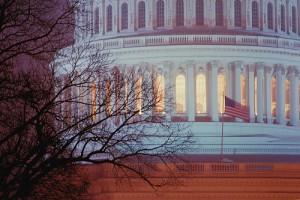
{"x":270,"y":91}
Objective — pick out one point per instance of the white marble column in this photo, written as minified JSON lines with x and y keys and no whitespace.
{"x":213,"y":96}
{"x":259,"y":91}
{"x":280,"y":94}
{"x":168,"y":90}
{"x":237,"y":81}
{"x":250,"y":95}
{"x":170,"y":13}
{"x":294,"y":97}
{"x":210,"y":14}
{"x":268,"y":89}
{"x":229,"y":13}
{"x":191,"y":90}
{"x":150,"y":7}
{"x":172,"y":89}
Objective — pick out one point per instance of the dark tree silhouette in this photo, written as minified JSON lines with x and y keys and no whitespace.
{"x":77,"y":110}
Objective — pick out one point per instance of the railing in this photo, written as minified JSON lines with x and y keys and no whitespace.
{"x":138,"y":41}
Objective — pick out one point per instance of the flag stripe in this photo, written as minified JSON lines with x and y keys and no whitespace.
{"x":235,"y":109}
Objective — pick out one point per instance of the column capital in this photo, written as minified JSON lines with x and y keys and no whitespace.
{"x":280,"y":68}
{"x":238,"y":64}
{"x":167,"y":63}
{"x":251,"y":68}
{"x":231,"y":66}
{"x":142,"y":64}
{"x":214,"y":64}
{"x":190,"y":63}
{"x":291,"y":70}
{"x":260,"y":65}
{"x":268,"y":69}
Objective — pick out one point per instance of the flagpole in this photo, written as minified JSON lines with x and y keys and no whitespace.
{"x":222,"y":141}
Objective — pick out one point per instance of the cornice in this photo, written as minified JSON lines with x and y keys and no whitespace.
{"x":164,"y":51}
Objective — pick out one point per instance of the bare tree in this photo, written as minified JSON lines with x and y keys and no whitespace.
{"x":78,"y":110}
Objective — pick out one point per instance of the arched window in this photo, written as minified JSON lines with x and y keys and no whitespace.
{"x":138,"y":94}
{"x":270,"y":16}
{"x":273,"y":105}
{"x":282,"y":18}
{"x":237,"y":13}
{"x":109,"y":18}
{"x":287,"y":99}
{"x":180,"y":94}
{"x":243,"y":90}
{"x":219,"y":13}
{"x":294,"y":20}
{"x":159,"y":95}
{"x":201,"y":94}
{"x":255,"y":23}
{"x":221,"y":92}
{"x":160,"y":13}
{"x":124,"y":20}
{"x":141,"y":15}
{"x":199,"y":13}
{"x":96,"y":21}
{"x":179,"y":13}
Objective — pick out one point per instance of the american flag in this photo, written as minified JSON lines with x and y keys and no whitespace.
{"x":235,"y":109}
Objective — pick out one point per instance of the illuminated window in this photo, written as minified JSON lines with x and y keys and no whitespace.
{"x":124,"y":21}
{"x":141,"y":17}
{"x":243,"y":90}
{"x":201,"y":94}
{"x":96,"y":21}
{"x":160,"y":13}
{"x":93,"y":101}
{"x":287,"y":99}
{"x":219,"y":13}
{"x":199,"y":13}
{"x":237,"y":13}
{"x":270,"y":16}
{"x":159,"y":95}
{"x":255,"y":14}
{"x":221,"y":92}
{"x":139,"y":94}
{"x":179,"y":13}
{"x":109,"y":19}
{"x":294,"y":20}
{"x":180,"y":94}
{"x":273,"y":105}
{"x":282,"y":18}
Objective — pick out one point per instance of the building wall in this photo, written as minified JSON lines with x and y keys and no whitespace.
{"x":263,"y":181}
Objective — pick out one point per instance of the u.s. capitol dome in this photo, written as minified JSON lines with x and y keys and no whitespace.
{"x":246,"y":50}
